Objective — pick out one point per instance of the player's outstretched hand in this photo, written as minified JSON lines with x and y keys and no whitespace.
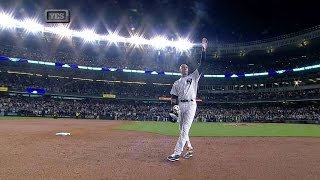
{"x":204,"y":43}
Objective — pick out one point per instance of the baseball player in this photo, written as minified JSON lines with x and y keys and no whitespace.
{"x":184,"y":93}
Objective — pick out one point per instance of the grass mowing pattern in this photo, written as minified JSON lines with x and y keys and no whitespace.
{"x":225,"y":129}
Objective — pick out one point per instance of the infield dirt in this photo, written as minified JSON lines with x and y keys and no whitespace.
{"x":30,"y":150}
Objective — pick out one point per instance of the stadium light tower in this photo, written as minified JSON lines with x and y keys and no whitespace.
{"x":137,"y":40}
{"x":114,"y":38}
{"x":60,"y":30}
{"x":87,"y":35}
{"x":7,"y":21}
{"x":159,"y":42}
{"x":31,"y":25}
{"x":183,"y":44}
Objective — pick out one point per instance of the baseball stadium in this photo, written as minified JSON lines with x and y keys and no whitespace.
{"x":110,"y":89}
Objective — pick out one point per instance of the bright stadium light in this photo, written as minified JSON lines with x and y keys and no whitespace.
{"x":60,"y":30}
{"x":137,"y":40}
{"x":7,"y":21}
{"x":114,"y":38}
{"x":87,"y":35}
{"x":159,"y":42}
{"x":183,"y":44}
{"x":31,"y":25}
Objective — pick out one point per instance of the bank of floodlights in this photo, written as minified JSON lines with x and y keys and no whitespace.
{"x":7,"y":21}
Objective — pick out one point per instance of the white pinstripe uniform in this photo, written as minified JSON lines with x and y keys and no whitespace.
{"x":186,"y":90}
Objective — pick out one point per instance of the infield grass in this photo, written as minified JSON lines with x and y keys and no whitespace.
{"x":227,"y":129}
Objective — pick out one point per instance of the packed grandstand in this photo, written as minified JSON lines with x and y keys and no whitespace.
{"x":42,"y":75}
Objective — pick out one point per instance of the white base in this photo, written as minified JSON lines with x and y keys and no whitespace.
{"x":63,"y":134}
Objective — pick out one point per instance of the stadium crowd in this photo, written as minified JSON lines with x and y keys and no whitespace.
{"x":116,"y":110}
{"x":140,"y":91}
{"x":253,"y":113}
{"x":149,"y":60}
{"x":262,"y":63}
{"x":257,"y":96}
{"x":47,"y":49}
{"x":87,"y":108}
{"x":77,"y":87}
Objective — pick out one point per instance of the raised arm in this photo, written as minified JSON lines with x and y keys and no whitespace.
{"x":200,"y":68}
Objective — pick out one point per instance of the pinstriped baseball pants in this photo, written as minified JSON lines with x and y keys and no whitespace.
{"x":188,"y":111}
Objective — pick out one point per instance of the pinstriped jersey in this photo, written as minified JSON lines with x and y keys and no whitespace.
{"x":186,"y":87}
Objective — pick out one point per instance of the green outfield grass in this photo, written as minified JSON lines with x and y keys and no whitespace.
{"x":227,"y":129}
{"x":18,"y":118}
{"x":214,"y":129}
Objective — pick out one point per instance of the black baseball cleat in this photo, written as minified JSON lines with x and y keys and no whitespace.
{"x":173,"y":158}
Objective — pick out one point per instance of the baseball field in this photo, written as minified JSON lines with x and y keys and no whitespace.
{"x":99,"y":149}
{"x":228,"y":129}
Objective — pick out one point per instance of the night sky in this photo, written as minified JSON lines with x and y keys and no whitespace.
{"x":219,"y":20}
